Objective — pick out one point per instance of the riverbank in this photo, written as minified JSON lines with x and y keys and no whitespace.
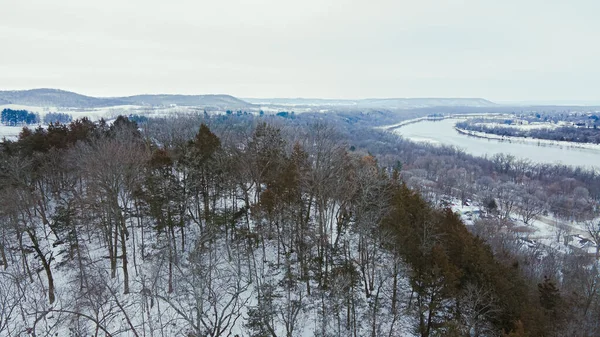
{"x":533,"y":141}
{"x":436,"y":118}
{"x":407,"y":122}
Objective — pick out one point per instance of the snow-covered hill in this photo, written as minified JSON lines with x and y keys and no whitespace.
{"x":67,"y":99}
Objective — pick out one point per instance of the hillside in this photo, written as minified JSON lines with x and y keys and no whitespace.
{"x":56,"y":98}
{"x":61,"y":98}
{"x":248,"y":231}
{"x":223,"y":101}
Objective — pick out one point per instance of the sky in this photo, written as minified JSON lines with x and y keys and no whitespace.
{"x":502,"y":50}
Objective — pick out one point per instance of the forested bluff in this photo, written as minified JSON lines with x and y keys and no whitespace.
{"x":249,"y":225}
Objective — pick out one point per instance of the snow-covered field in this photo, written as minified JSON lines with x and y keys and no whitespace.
{"x":109,"y":112}
{"x":94,"y":114}
{"x":40,"y":110}
{"x":10,"y":132}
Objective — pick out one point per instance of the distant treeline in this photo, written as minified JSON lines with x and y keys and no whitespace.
{"x":139,"y":119}
{"x":564,"y":133}
{"x":577,"y":117}
{"x":18,"y":117}
{"x":23,"y":117}
{"x":57,"y":117}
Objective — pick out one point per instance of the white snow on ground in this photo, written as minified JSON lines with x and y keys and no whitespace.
{"x":547,"y":230}
{"x":40,"y":110}
{"x":160,"y":313}
{"x":95,"y":114}
{"x":10,"y":132}
{"x":91,"y":113}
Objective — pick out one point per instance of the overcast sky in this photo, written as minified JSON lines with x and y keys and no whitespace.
{"x":503,"y":50}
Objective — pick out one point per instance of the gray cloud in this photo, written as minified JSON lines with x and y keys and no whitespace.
{"x":501,"y":50}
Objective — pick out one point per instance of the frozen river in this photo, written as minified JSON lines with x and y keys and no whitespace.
{"x":443,"y":132}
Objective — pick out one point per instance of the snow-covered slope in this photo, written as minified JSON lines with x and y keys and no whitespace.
{"x":67,"y":99}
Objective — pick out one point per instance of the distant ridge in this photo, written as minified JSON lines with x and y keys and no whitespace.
{"x":68,"y":99}
{"x":186,"y":100}
{"x":55,"y":97}
{"x":392,"y":103}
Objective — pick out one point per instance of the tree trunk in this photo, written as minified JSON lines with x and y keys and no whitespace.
{"x":113,"y":255}
{"x":45,"y":264}
{"x":3,"y":256}
{"x":395,"y":289}
{"x":124,"y":260}
{"x":24,"y":257}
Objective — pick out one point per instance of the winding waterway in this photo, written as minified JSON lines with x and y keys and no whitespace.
{"x":443,"y":133}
